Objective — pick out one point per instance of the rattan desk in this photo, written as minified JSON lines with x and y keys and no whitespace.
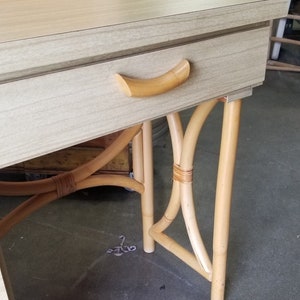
{"x":58,"y":88}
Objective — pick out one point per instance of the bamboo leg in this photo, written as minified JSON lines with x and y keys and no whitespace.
{"x":138,"y":171}
{"x":183,"y":151}
{"x":173,"y":207}
{"x":186,"y":193}
{"x":147,"y":196}
{"x":228,"y":149}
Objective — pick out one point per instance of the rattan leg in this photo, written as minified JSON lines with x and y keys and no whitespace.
{"x":143,"y":172}
{"x":182,"y":195}
{"x":183,"y":151}
{"x":223,"y":196}
{"x":147,"y":196}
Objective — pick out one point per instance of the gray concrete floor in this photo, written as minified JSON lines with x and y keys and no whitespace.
{"x":59,"y":252}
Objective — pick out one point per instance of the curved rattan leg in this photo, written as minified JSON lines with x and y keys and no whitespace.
{"x":186,"y":193}
{"x":51,"y":189}
{"x":111,"y":180}
{"x":38,"y":201}
{"x":182,"y":194}
{"x":24,"y":210}
{"x":157,"y":231}
{"x":173,"y":207}
{"x":183,"y":150}
{"x":139,"y":175}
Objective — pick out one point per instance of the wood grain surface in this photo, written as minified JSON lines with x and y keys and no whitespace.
{"x":21,"y":19}
{"x":31,"y":56}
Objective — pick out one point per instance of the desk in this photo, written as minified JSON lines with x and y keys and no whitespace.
{"x":58,"y":88}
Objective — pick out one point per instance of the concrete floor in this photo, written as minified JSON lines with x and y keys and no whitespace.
{"x":59,"y":252}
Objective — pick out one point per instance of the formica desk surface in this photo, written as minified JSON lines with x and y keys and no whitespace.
{"x":32,"y":18}
{"x":41,"y":40}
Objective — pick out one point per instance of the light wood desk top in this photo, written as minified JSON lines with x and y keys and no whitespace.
{"x":32,"y":18}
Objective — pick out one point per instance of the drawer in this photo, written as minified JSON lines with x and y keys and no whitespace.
{"x":58,"y":110}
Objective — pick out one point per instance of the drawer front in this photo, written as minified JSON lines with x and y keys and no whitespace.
{"x":50,"y":112}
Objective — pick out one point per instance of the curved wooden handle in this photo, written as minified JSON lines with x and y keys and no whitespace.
{"x":133,"y":87}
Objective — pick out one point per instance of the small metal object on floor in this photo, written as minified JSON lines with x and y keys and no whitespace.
{"x":121,"y":249}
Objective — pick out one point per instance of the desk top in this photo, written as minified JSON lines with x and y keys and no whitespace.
{"x":20,"y":19}
{"x":39,"y":36}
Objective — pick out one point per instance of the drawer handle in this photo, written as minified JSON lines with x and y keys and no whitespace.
{"x":134,"y":87}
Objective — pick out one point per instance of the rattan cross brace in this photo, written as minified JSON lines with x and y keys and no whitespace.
{"x":48,"y":190}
